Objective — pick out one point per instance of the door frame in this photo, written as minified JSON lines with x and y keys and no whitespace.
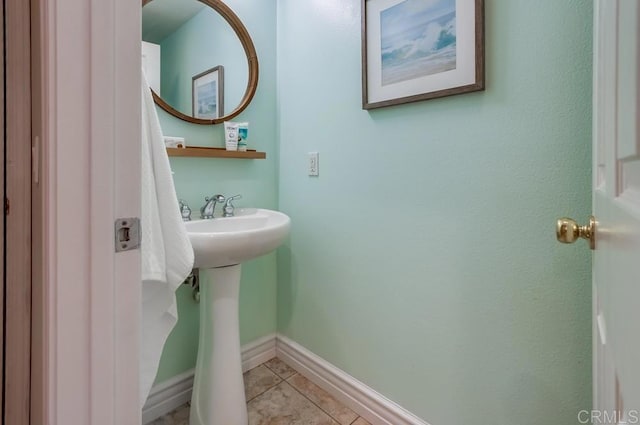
{"x":86,"y":297}
{"x":17,"y":217}
{"x":2,"y":225}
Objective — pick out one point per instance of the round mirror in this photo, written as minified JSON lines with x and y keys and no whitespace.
{"x":199,"y":59}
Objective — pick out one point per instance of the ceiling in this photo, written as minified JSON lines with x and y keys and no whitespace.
{"x":161,"y":18}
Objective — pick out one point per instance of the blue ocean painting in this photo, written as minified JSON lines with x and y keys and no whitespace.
{"x":418,"y":38}
{"x":208,"y":100}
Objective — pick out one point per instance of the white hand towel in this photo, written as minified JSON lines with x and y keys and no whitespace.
{"x":167,"y":255}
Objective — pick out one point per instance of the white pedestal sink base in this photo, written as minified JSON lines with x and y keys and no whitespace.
{"x":218,"y":391}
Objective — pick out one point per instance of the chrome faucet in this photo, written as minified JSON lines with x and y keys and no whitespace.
{"x":209,"y":208}
{"x":228,"y":206}
{"x":185,"y":211}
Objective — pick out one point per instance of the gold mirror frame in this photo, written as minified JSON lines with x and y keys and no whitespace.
{"x":252,"y":59}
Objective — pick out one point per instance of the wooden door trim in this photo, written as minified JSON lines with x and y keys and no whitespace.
{"x":40,"y":411}
{"x":2,"y":224}
{"x":18,"y":216}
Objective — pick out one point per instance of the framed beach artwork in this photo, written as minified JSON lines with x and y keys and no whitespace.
{"x":208,"y":93}
{"x":416,"y":50}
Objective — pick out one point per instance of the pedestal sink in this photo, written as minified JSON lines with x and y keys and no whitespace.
{"x":220,"y":246}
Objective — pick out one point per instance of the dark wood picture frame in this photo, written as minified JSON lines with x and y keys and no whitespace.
{"x":477,"y":85}
{"x":219,"y":70}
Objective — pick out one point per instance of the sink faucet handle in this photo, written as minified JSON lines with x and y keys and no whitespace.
{"x":216,"y":198}
{"x":228,"y":206}
{"x":185,"y":211}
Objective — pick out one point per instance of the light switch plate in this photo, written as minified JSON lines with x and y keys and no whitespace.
{"x":314,"y":169}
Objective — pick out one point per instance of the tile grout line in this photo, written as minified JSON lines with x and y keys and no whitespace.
{"x":276,"y":373}
{"x":311,"y":401}
{"x":295,"y":372}
{"x":301,"y":393}
{"x":271,"y":387}
{"x":314,"y":403}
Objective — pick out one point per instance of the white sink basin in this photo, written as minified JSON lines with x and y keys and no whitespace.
{"x":226,"y":241}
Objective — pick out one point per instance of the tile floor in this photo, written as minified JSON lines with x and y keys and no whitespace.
{"x":278,"y":395}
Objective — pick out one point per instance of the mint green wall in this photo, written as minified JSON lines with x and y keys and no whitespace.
{"x":423,"y":260}
{"x":212,"y":42}
{"x":256,"y":180}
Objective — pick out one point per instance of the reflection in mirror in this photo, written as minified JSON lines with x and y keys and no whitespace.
{"x":208,"y":93}
{"x":194,"y":59}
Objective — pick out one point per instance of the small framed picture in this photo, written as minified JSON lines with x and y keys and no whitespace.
{"x":208,"y":93}
{"x":416,"y":50}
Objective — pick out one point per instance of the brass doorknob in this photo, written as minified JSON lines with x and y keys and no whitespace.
{"x":568,"y":231}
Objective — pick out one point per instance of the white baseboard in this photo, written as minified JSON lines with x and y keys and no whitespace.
{"x":366,"y":402}
{"x":168,"y":396}
{"x":259,"y":351}
{"x":173,"y":393}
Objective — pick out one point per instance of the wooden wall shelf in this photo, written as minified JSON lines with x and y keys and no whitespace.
{"x":215,"y":153}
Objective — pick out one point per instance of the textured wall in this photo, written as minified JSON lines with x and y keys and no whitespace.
{"x":256,"y":180}
{"x":422,"y":260}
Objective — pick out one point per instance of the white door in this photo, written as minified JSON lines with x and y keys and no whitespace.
{"x":87,"y":298}
{"x":616,"y":206}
